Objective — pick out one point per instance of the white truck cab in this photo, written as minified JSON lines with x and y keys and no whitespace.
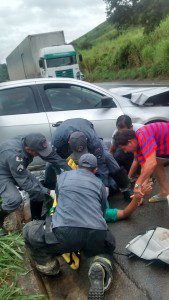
{"x":59,"y":61}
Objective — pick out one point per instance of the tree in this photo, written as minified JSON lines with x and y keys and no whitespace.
{"x":122,"y":13}
{"x":147,"y":13}
{"x":152,"y":12}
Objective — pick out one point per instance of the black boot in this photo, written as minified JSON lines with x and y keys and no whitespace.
{"x":36,"y":209}
{"x":96,"y":275}
{"x":3,"y":214}
{"x":100,"y":275}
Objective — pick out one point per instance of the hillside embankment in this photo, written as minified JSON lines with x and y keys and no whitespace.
{"x":110,"y":54}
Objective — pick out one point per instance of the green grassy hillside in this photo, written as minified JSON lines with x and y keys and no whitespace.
{"x":112,"y":54}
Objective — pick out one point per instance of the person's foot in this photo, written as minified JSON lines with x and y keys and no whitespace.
{"x":107,"y":266}
{"x":158,"y":198}
{"x":96,"y":276}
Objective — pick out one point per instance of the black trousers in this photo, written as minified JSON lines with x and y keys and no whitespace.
{"x":124,"y":159}
{"x":44,"y":245}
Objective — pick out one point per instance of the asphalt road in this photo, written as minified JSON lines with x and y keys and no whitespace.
{"x":152,"y":280}
{"x":133,"y":278}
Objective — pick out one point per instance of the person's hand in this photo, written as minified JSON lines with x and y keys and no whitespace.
{"x":138,"y":193}
{"x":52,"y":194}
{"x":147,"y":187}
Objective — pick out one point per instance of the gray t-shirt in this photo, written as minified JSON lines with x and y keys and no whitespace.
{"x":136,"y":126}
{"x":81,"y":201}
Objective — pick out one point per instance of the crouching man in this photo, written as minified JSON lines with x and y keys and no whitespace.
{"x":15,"y":156}
{"x":77,"y":224}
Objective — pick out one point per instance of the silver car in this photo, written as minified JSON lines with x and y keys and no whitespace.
{"x":41,"y":104}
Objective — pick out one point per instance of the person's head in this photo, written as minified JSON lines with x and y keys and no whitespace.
{"x":124,"y":122}
{"x":88,"y":161}
{"x":36,"y":145}
{"x":126,"y":139}
{"x":78,"y":144}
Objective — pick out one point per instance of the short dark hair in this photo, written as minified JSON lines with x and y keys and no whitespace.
{"x":123,"y":121}
{"x":124,"y":136}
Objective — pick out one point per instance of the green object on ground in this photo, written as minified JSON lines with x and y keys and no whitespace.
{"x":111,"y":214}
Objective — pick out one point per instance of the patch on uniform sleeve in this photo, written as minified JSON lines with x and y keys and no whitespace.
{"x":18,"y":158}
{"x":20,"y":168}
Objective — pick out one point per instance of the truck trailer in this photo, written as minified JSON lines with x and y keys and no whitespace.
{"x":43,"y":55}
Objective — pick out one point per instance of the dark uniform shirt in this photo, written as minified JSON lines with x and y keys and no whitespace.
{"x":63,"y":132}
{"x":94,"y":143}
{"x":14,"y":161}
{"x":81,"y":201}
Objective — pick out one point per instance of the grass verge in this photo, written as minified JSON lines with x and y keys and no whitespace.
{"x":11,"y":267}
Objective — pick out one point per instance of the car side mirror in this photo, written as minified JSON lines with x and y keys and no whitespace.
{"x":106,"y":102}
{"x":41,"y":65}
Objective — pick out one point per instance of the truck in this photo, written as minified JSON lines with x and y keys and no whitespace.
{"x":44,"y":55}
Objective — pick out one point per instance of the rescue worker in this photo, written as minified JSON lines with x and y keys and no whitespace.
{"x":78,"y":224}
{"x":108,"y":169}
{"x":15,"y":156}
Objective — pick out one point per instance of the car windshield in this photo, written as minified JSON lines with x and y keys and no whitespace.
{"x":61,"y":61}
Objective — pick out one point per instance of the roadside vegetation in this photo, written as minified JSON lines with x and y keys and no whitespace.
{"x":11,"y":267}
{"x":125,"y":54}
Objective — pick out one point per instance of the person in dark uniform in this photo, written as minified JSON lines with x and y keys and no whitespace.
{"x":15,"y":156}
{"x":78,"y":224}
{"x":108,"y":169}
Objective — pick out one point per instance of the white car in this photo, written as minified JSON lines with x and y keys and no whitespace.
{"x":39,"y":105}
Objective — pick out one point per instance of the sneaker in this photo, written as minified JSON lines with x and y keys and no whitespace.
{"x":96,"y":275}
{"x":50,"y":268}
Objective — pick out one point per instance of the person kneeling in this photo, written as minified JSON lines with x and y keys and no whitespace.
{"x":78,"y":224}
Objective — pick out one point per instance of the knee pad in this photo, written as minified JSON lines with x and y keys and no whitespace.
{"x":51,"y":267}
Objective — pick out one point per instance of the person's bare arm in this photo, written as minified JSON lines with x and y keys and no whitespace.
{"x":132,"y":206}
{"x":125,"y":213}
{"x":146,"y":171}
